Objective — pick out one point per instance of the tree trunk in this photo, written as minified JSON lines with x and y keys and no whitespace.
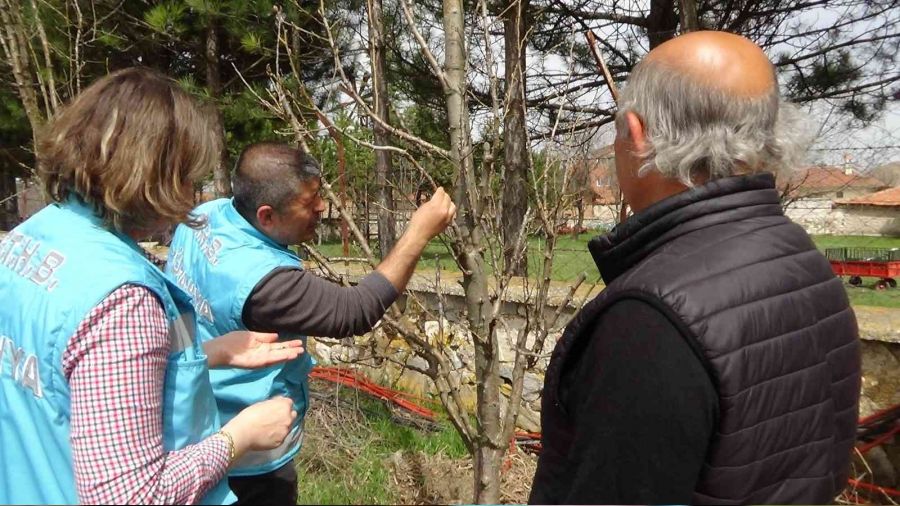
{"x":579,"y":222}
{"x":16,"y":49}
{"x":687,"y":12}
{"x":662,"y":22}
{"x":515,"y":139}
{"x":489,"y":441}
{"x":18,"y":52}
{"x":221,"y":174}
{"x":387,"y":235}
{"x":9,"y":209}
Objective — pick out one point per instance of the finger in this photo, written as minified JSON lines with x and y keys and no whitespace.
{"x":295,"y":343}
{"x":277,"y":356}
{"x":293,"y":414}
{"x":280,"y":399}
{"x":439,"y":195}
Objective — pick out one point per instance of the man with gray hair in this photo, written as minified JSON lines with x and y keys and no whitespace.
{"x":721,"y":364}
{"x":241,"y":275}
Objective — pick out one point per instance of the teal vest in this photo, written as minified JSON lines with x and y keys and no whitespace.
{"x":54,"y":269}
{"x":219,"y":265}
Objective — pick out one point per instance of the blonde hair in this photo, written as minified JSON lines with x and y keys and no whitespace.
{"x":131,"y":145}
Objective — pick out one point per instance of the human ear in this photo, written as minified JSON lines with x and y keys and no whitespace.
{"x":265,"y":216}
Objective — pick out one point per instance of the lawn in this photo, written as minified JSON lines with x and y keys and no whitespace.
{"x":573,"y":258}
{"x":348,"y":440}
{"x":864,"y":295}
{"x":855,"y":241}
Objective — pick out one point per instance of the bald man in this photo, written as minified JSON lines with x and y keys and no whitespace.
{"x":242,"y":275}
{"x":721,"y":364}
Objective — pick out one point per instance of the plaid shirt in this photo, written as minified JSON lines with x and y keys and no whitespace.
{"x":115,"y":364}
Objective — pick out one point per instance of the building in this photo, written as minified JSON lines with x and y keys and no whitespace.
{"x":873,"y":214}
{"x":809,"y":197}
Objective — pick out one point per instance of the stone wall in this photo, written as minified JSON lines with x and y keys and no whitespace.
{"x":879,"y":330}
{"x":381,"y":355}
{"x":819,"y":216}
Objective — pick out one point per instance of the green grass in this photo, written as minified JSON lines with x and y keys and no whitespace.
{"x":864,"y":295}
{"x":855,"y":241}
{"x":398,"y":437}
{"x":346,"y":462}
{"x":572,"y":258}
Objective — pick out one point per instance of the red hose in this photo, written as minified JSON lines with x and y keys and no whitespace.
{"x":879,"y":440}
{"x":532,"y":440}
{"x":355,"y":380}
{"x":878,"y":415}
{"x":874,"y":488}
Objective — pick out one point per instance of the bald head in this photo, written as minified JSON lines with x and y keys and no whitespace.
{"x":705,"y":106}
{"x":725,"y":61}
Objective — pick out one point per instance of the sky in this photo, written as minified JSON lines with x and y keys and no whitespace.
{"x":838,"y":142}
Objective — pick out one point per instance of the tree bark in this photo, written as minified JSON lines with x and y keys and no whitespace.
{"x":662,"y":22}
{"x":221,"y":173}
{"x":15,"y":47}
{"x":687,"y":12}
{"x":515,"y":139}
{"x":387,"y":229}
{"x":9,"y":209}
{"x":488,"y":442}
{"x":579,"y":222}
{"x":18,"y":52}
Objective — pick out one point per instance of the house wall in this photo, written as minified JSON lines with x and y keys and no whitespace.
{"x":596,"y":216}
{"x":819,"y":216}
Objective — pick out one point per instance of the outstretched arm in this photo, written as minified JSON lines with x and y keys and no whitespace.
{"x":293,"y":301}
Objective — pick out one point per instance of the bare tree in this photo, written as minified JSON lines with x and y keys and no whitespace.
{"x":44,"y":74}
{"x":889,"y":173}
{"x":476,"y":237}
{"x":387,"y":233}
{"x":515,"y":137}
{"x":453,"y":58}
{"x":27,"y":68}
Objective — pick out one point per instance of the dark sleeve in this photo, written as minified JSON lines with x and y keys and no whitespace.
{"x":295,"y":301}
{"x":644,"y":409}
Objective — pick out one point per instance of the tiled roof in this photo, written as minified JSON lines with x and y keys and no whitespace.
{"x":825,"y":178}
{"x":884,"y":198}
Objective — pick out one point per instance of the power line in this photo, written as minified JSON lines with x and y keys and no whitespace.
{"x":872,"y":148}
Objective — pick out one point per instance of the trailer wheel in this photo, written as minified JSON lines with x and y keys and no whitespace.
{"x":855,"y":280}
{"x":882,"y":284}
{"x":892,"y":282}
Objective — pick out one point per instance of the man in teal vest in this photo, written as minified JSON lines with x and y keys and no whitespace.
{"x":241,"y":275}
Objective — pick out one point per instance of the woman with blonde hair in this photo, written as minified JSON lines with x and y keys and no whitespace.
{"x":104,"y":392}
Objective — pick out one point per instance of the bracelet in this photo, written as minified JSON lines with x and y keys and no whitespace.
{"x":230,"y":441}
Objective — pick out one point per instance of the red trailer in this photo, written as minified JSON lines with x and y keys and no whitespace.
{"x":881,"y":263}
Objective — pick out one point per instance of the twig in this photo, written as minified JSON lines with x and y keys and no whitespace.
{"x":601,"y":66}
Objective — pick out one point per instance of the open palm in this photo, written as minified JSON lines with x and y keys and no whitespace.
{"x":251,"y":350}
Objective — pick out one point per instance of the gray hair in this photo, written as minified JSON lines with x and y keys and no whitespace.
{"x":695,"y":129}
{"x":269,"y":173}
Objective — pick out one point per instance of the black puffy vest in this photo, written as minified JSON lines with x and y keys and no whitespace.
{"x":768,"y":318}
